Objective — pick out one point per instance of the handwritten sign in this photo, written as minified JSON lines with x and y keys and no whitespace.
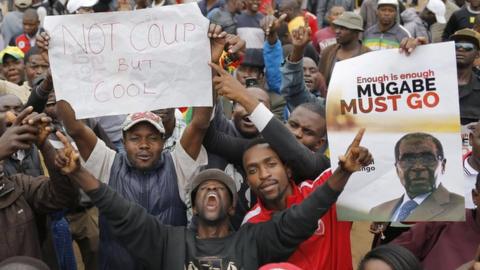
{"x":409,"y":107}
{"x":125,"y":62}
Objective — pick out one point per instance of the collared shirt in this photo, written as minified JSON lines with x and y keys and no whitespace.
{"x":419,"y":199}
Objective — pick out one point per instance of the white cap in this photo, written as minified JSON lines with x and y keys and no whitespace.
{"x":437,"y":7}
{"x":74,"y":5}
{"x":387,"y":2}
{"x":138,"y":117}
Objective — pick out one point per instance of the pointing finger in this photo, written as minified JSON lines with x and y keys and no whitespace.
{"x":358,"y":138}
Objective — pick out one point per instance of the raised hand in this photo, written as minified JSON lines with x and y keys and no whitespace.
{"x":408,"y":45}
{"x":301,"y":35}
{"x":356,"y":156}
{"x":270,"y":25}
{"x":42,"y":123}
{"x":42,"y":42}
{"x":18,"y":136}
{"x":220,"y":41}
{"x":67,"y":159}
{"x":225,"y":84}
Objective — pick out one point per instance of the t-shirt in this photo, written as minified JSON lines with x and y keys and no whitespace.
{"x":101,"y":160}
{"x":324,"y":38}
{"x":248,"y":29}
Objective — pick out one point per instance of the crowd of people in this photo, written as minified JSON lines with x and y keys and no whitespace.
{"x":247,"y":183}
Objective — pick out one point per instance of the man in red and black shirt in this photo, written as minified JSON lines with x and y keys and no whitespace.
{"x":270,"y":179}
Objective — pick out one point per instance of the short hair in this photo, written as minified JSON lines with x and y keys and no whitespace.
{"x":397,"y":257}
{"x":315,"y":107}
{"x":254,"y":142}
{"x":33,"y":51}
{"x":421,"y":136}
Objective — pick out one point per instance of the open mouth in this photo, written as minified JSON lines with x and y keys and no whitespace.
{"x":212,"y":200}
{"x":246,"y":121}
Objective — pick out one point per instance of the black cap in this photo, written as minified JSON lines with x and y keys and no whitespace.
{"x":253,"y":58}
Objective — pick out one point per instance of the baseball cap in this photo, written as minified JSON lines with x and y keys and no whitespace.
{"x":438,"y":8}
{"x":14,"y":51}
{"x":74,"y":5}
{"x":350,"y":20}
{"x":253,"y":58}
{"x":388,"y":2}
{"x":138,"y":117}
{"x":467,"y":34}
{"x":213,"y":174}
{"x":23,"y":3}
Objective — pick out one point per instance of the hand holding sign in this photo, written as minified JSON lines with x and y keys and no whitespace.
{"x":67,"y":159}
{"x":356,"y":156}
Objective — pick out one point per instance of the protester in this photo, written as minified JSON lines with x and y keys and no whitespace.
{"x":212,"y":244}
{"x":324,"y":6}
{"x":225,"y":15}
{"x":465,"y":17}
{"x":295,"y":17}
{"x":386,"y":33}
{"x":438,"y":28}
{"x":326,"y":36}
{"x":146,"y":167}
{"x":389,"y":257}
{"x":270,"y":179}
{"x":467,"y":44}
{"x":248,"y":25}
{"x":431,"y":241}
{"x":348,"y":28}
{"x":12,"y":23}
{"x":471,"y":163}
{"x":31,"y":28}
{"x":24,"y":197}
{"x":25,"y":161}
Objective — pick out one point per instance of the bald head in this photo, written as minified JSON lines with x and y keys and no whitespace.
{"x":10,"y":102}
{"x":260,"y":94}
{"x":30,"y":14}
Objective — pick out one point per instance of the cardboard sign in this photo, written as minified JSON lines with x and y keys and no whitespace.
{"x":132,"y":61}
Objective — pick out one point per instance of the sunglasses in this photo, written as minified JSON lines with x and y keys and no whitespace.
{"x":468,"y":47}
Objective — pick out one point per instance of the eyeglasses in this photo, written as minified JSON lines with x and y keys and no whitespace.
{"x":468,"y":47}
{"x":426,"y":159}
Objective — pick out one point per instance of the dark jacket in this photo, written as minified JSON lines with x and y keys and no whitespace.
{"x":157,"y":246}
{"x":328,"y":58}
{"x":21,"y":198}
{"x":30,"y":164}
